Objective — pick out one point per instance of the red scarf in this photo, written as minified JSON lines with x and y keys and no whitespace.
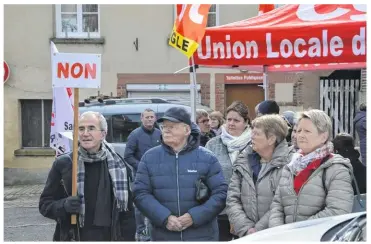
{"x":303,"y":175}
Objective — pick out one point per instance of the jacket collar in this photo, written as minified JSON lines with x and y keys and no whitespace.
{"x":147,"y":130}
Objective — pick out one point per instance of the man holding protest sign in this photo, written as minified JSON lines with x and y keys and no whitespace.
{"x":103,"y":204}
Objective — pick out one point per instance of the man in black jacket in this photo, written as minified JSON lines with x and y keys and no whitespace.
{"x":140,"y":141}
{"x":103,"y":204}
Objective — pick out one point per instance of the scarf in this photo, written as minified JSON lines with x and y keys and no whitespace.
{"x":218,"y":131}
{"x":300,"y":161}
{"x":235,"y":144}
{"x":116,"y":169}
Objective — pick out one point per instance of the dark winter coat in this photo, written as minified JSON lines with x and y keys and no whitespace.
{"x":165,"y":185}
{"x":359,"y":170}
{"x":360,"y":124}
{"x":59,"y":186}
{"x":140,"y":141}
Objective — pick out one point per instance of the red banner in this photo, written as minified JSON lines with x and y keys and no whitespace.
{"x":292,"y":34}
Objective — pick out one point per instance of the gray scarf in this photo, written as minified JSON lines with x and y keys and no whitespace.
{"x":116,"y":170}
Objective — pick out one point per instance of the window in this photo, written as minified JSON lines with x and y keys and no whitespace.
{"x":77,"y":21}
{"x":36,"y":117}
{"x":123,"y":125}
{"x":213,"y":18}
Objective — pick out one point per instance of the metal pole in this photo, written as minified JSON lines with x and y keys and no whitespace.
{"x":265,"y":83}
{"x":193,"y":89}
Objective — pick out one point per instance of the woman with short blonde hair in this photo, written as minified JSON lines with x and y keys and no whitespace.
{"x":316,"y":183}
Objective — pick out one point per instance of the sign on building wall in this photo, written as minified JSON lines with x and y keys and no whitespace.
{"x":248,"y":78}
{"x":76,"y":70}
{"x":6,"y":72}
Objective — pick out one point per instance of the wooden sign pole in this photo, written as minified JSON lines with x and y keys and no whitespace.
{"x":75,"y":145}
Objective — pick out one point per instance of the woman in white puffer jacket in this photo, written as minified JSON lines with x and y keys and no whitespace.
{"x":316,"y":183}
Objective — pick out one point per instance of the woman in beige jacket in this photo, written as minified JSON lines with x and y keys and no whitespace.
{"x":256,"y":175}
{"x":316,"y":183}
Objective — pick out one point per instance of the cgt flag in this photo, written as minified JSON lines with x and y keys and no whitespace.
{"x":189,"y":27}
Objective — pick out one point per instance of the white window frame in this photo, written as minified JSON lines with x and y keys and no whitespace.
{"x":79,"y":33}
{"x":42,"y":125}
{"x":217,"y":13}
{"x":216,"y":9}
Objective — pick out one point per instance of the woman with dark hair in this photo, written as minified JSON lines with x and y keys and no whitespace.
{"x":344,"y":145}
{"x":235,"y":136}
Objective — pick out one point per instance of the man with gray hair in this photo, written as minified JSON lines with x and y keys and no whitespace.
{"x":169,"y":180}
{"x":103,"y":204}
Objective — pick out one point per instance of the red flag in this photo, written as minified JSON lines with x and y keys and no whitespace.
{"x":189,"y":27}
{"x":265,"y":8}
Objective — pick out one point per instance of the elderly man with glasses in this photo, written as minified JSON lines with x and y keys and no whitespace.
{"x":103,"y":204}
{"x":167,"y":183}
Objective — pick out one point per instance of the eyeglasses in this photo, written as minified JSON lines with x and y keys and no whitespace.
{"x":89,"y":129}
{"x":169,"y":127}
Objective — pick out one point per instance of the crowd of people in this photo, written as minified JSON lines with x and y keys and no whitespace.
{"x":216,"y":179}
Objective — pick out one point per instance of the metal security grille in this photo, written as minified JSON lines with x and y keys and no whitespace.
{"x":340,"y":100}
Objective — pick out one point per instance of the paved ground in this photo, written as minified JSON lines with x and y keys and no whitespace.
{"x":22,"y":220}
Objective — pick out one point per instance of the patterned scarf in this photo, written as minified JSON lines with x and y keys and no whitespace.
{"x":300,"y":161}
{"x":116,"y":170}
{"x":235,"y":144}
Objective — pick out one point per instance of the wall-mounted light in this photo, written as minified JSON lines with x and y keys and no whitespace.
{"x":136,"y":43}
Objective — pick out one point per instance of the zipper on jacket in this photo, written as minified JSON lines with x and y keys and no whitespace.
{"x":177,"y":186}
{"x":297,"y":198}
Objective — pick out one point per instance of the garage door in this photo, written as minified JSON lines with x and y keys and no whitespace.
{"x":251,"y":95}
{"x":176,"y":92}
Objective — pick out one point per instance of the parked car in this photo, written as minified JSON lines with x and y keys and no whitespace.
{"x":347,"y":227}
{"x":123,"y":115}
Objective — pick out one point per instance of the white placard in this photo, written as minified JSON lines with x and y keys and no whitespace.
{"x":62,"y":119}
{"x":78,"y":70}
